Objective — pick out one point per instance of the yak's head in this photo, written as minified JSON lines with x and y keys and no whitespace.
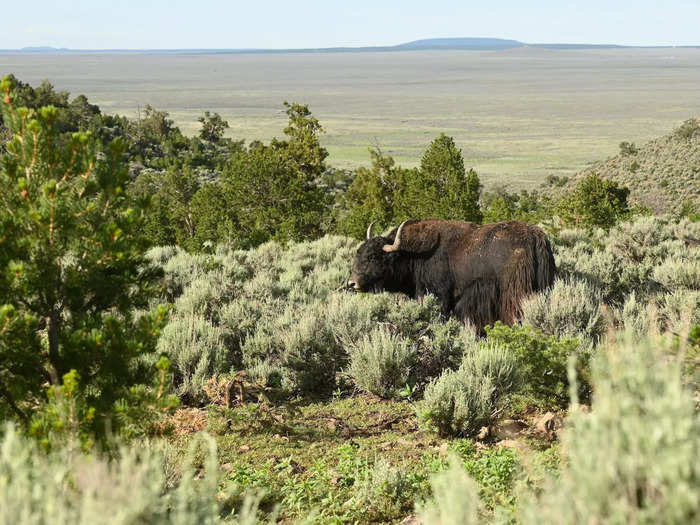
{"x":372,"y":264}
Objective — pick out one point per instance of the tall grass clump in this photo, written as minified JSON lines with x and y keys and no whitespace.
{"x":381,"y":363}
{"x":570,"y":308}
{"x":633,"y":458}
{"x":139,"y":486}
{"x":461,"y":401}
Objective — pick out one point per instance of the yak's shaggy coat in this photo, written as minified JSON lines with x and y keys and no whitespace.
{"x":479,"y":273}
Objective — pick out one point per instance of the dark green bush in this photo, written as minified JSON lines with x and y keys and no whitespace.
{"x":542,"y":362}
{"x":594,"y":202}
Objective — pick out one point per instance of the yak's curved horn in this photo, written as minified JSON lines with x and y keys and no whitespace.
{"x":369,"y":230}
{"x":397,"y":240}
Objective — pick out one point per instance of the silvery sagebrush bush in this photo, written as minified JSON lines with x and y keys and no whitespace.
{"x":455,"y":498}
{"x":460,"y":401}
{"x":195,"y":347}
{"x":571,"y":308}
{"x":140,"y":485}
{"x":633,"y":458}
{"x":311,"y":357}
{"x":677,"y":273}
{"x":382,"y":363}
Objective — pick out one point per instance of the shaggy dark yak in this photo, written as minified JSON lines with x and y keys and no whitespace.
{"x":478,"y":273}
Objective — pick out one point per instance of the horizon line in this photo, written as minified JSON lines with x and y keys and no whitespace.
{"x":443,"y":43}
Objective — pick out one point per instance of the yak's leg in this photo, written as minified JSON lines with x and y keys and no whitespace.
{"x":444,"y":297}
{"x":479,"y":304}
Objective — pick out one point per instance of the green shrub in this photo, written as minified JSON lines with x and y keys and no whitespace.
{"x":73,"y":269}
{"x":460,"y":401}
{"x":541,"y":362}
{"x":571,"y":308}
{"x":633,"y":458}
{"x":595,"y":202}
{"x":494,"y":470}
{"x":381,"y":363}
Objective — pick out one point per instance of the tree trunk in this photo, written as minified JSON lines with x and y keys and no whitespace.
{"x":4,"y":392}
{"x":53,"y":323}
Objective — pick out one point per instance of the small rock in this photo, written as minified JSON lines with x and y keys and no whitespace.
{"x":227,"y":467}
{"x":548,"y":424}
{"x":443,"y":448}
{"x":243,"y":448}
{"x":483,"y":433}
{"x":411,"y":520}
{"x":512,"y":443}
{"x":508,"y":429}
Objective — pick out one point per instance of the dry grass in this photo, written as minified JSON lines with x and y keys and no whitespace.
{"x":518,"y":115}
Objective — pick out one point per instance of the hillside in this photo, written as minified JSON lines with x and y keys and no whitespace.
{"x":661,"y":174}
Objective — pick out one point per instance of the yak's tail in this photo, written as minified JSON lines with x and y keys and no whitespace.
{"x":545,"y":269}
{"x":529,"y":270}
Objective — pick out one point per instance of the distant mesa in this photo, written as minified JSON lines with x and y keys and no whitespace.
{"x":461,"y":43}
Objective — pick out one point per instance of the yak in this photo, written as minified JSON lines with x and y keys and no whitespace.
{"x":479,"y":273}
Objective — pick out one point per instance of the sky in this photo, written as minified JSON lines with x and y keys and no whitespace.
{"x":235,"y":24}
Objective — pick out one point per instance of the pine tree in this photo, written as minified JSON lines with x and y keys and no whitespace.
{"x":72,"y":264}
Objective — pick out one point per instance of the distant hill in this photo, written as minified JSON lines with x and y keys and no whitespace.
{"x":661,"y":174}
{"x":460,"y":43}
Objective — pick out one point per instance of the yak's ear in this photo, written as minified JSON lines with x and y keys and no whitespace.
{"x":414,"y":237}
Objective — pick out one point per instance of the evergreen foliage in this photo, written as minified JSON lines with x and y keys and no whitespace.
{"x":72,"y":263}
{"x":595,"y":202}
{"x":389,"y":194}
{"x":441,"y":187}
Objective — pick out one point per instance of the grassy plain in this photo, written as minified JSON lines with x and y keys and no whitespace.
{"x":518,"y":114}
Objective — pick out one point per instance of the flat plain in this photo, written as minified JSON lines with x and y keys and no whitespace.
{"x":518,"y":114}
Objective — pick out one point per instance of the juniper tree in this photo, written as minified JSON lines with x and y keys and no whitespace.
{"x":273,"y":191}
{"x":72,"y":265}
{"x":595,"y":202}
{"x":448,"y":191}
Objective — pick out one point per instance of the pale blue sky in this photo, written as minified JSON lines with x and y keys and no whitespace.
{"x":168,"y":24}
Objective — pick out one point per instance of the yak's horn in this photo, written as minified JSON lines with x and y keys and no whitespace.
{"x":397,"y":240}
{"x":369,"y":230}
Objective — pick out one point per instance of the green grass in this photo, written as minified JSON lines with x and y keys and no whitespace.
{"x":357,"y":459}
{"x":518,"y":115}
